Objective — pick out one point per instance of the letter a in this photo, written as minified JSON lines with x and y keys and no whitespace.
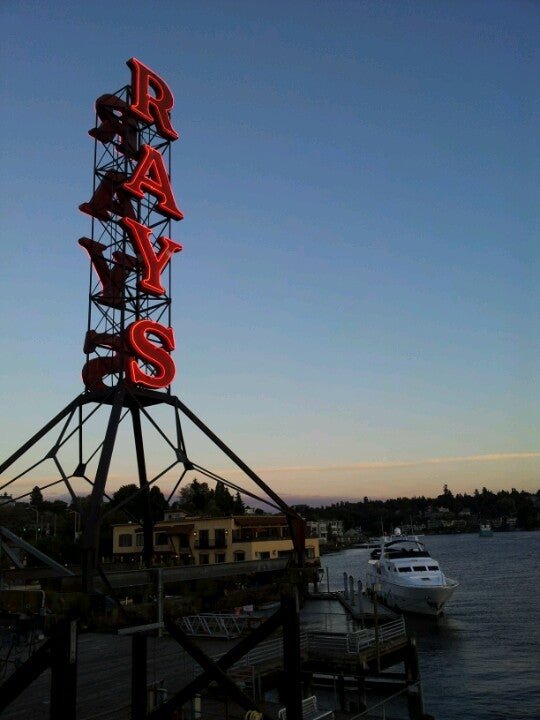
{"x":108,"y":198}
{"x":151,"y":174}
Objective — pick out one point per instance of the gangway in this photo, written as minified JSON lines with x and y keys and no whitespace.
{"x":218,"y":625}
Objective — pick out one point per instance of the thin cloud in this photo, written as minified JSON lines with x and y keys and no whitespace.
{"x":494,"y":457}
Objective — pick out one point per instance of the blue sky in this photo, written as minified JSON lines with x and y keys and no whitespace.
{"x":356,"y":304}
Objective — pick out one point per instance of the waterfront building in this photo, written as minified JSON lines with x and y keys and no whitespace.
{"x":191,"y":540}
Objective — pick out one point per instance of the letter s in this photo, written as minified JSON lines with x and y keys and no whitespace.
{"x":144,"y":349}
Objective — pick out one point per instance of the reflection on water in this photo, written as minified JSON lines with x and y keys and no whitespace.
{"x":479,"y":661}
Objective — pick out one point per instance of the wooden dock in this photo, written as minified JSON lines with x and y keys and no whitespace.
{"x":370,"y":653}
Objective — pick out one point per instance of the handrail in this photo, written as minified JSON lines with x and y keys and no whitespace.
{"x":268,"y":651}
{"x":360,"y":640}
{"x":327,"y":643}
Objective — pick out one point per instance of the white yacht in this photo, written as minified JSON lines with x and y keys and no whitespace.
{"x":406,"y":578}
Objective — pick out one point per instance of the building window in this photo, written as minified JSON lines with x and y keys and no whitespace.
{"x":204,"y":559}
{"x":264,"y":556}
{"x":239,"y":556}
{"x":220,"y":557}
{"x":204,"y":540}
{"x":125,"y":540}
{"x":139,"y":540}
{"x":184,"y":541}
{"x":221,"y":538}
{"x":162,"y":538}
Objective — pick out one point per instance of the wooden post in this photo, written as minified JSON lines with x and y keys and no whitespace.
{"x":361,"y":690}
{"x":138,"y":677}
{"x":342,"y":696}
{"x":64,"y":671}
{"x":291,"y":651}
{"x":415,"y":701}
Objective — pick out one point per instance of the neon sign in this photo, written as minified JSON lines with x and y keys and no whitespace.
{"x":132,"y":199}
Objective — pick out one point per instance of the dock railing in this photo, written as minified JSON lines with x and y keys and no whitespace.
{"x":329,"y":644}
{"x":358,"y":641}
{"x":267,"y":653}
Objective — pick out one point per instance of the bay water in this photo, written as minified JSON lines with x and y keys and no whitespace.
{"x":481,"y":659}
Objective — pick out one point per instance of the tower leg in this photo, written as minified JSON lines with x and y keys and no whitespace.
{"x":90,"y":539}
{"x":291,"y":651}
{"x":148,"y":547}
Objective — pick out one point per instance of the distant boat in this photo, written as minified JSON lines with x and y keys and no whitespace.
{"x":405,"y":577}
{"x":485,"y":530}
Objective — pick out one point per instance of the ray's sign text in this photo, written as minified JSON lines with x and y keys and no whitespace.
{"x":139,"y":351}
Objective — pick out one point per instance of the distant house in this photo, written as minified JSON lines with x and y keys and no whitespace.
{"x":183,"y":540}
{"x":325,"y":530}
{"x":353,"y":535}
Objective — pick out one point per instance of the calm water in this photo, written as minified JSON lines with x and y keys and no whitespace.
{"x":481,"y":660}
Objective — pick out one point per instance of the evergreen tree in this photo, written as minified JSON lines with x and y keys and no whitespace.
{"x":36,"y":498}
{"x":238,"y":506}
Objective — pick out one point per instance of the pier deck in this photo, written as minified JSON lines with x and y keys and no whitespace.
{"x":104,"y":664}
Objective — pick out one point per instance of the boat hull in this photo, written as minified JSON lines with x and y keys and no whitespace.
{"x":421,"y":599}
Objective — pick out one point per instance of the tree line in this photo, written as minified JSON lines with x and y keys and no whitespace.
{"x":483,"y":505}
{"x":54,"y":526}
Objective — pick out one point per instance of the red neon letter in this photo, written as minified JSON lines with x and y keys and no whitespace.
{"x":151,"y":174}
{"x":158,"y":357}
{"x":103,"y":201}
{"x":151,"y":108}
{"x":112,"y":279}
{"x":153,"y":264}
{"x":97,"y":368}
{"x":115,"y":120}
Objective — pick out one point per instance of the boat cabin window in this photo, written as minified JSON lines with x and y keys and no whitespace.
{"x":433,"y":567}
{"x":405,"y":569}
{"x":419,"y":568}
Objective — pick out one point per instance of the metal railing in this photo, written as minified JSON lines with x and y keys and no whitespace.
{"x":311,"y":643}
{"x":267,"y":653}
{"x":356,"y":642}
{"x":216,"y":625}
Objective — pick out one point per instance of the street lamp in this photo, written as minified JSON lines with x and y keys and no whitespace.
{"x":33,"y":509}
